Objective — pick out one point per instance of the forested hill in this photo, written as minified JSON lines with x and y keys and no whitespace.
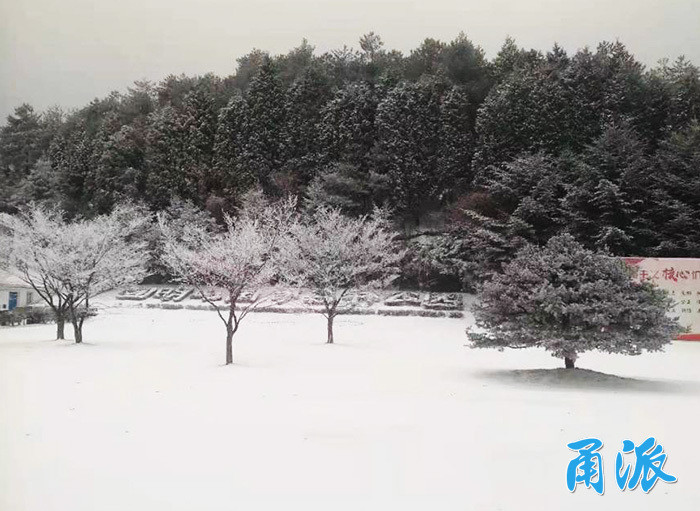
{"x":520,"y":147}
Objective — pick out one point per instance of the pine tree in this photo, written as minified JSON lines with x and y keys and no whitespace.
{"x":608,"y":202}
{"x":264,"y":147}
{"x":23,"y":140}
{"x":74,"y":155}
{"x":465,"y":64}
{"x":348,"y":131}
{"x":339,"y":186}
{"x":408,"y":129}
{"x":301,"y":138}
{"x":511,"y":57}
{"x":167,"y":159}
{"x":40,"y":186}
{"x":426,"y":60}
{"x":681,"y":81}
{"x":530,"y":111}
{"x":530,"y":188}
{"x":676,"y":207}
{"x":296,"y":62}
{"x":229,"y":147}
{"x":569,"y":300}
{"x":200,"y":115}
{"x":120,"y":174}
{"x":456,"y":146}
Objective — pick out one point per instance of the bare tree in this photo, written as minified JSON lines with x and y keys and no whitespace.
{"x":332,"y":254}
{"x":70,"y":263}
{"x":239,"y":259}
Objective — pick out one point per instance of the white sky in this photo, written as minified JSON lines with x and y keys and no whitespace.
{"x":67,"y":52}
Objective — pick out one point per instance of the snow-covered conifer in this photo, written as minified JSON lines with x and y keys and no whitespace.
{"x":569,"y":300}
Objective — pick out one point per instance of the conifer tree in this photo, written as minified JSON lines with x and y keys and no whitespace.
{"x":301,"y":138}
{"x":408,"y":138}
{"x":229,"y":147}
{"x":264,"y":146}
{"x":456,"y":146}
{"x":167,"y":159}
{"x":569,"y":300}
{"x":348,"y":131}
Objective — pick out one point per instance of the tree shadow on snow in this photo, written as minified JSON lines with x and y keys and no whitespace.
{"x":585,"y":379}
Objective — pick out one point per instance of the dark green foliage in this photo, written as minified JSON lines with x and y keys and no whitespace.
{"x":264,"y":145}
{"x":570,"y":300}
{"x":248,"y":67}
{"x":677,"y":180}
{"x":40,"y":185}
{"x":459,"y":62}
{"x":531,"y":188}
{"x":530,"y":111}
{"x":344,"y":65}
{"x":564,"y":103}
{"x":301,"y":137}
{"x":120,"y":173}
{"x":511,"y":58}
{"x":167,"y":158}
{"x":440,"y":262}
{"x":295,"y":63}
{"x":73,"y":157}
{"x":23,"y":140}
{"x":588,"y":142}
{"x":609,"y":197}
{"x":456,"y":146}
{"x":341,"y":186}
{"x":682,"y":81}
{"x":229,"y":146}
{"x":200,"y":125}
{"x":425,"y":60}
{"x":465,"y":65}
{"x":408,"y":136}
{"x":39,"y":315}
{"x":470,"y":253}
{"x":348,"y":130}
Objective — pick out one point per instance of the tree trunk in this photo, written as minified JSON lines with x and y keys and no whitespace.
{"x":78,"y":331}
{"x":229,"y":346}
{"x":60,"y":327}
{"x":569,"y":362}
{"x":330,"y":330}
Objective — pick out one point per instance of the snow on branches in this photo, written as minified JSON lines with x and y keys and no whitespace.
{"x":241,"y":258}
{"x":68,"y":263}
{"x":568,"y":300}
{"x":332,"y":254}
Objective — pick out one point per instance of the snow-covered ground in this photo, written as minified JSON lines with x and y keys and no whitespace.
{"x":397,"y":415}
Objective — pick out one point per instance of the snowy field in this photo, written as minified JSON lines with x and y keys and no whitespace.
{"x":397,"y":415}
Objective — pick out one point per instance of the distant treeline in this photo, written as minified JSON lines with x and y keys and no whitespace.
{"x":497,"y":152}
